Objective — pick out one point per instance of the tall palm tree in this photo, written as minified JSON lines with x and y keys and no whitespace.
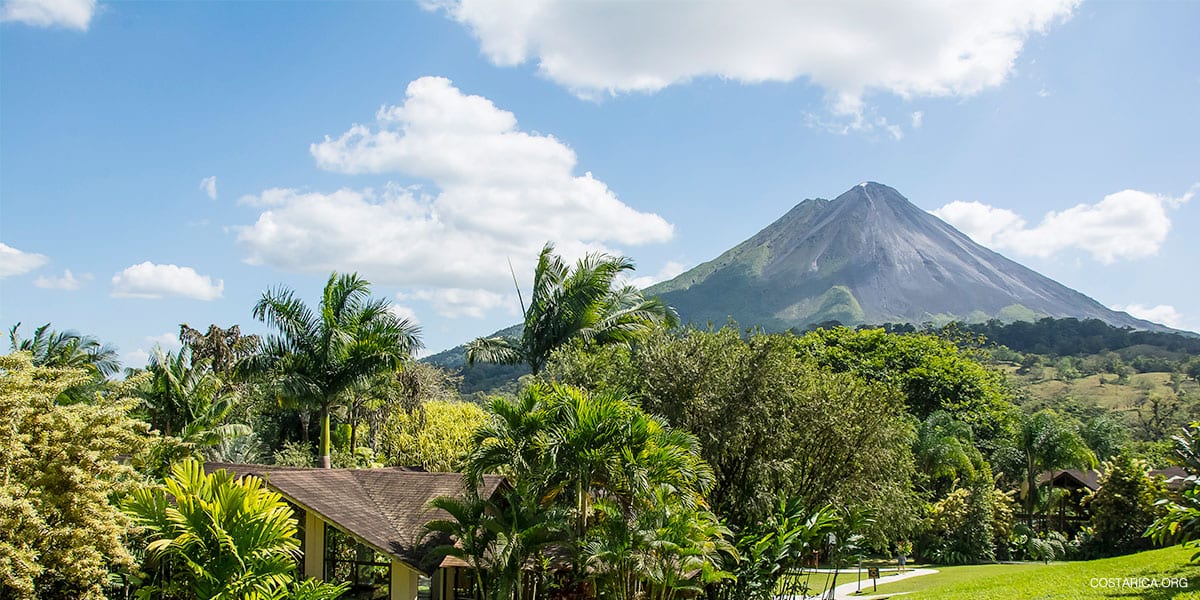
{"x":52,"y":348}
{"x":317,"y":356}
{"x":1045,"y":442}
{"x":585,"y":302}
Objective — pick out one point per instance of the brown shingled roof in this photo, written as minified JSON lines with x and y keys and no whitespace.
{"x":385,"y":508}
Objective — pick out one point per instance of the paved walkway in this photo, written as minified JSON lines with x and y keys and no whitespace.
{"x":846,"y":590}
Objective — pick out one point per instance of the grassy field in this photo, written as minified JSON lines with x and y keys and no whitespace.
{"x":1108,"y":395}
{"x":1130,"y":576}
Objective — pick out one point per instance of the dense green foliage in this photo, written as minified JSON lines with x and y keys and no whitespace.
{"x":58,"y":470}
{"x":435,"y":437}
{"x":218,"y":538}
{"x":934,"y":374}
{"x":1180,"y":521}
{"x":615,"y":490}
{"x":1074,"y":337}
{"x":769,"y":421}
{"x":1123,"y":508}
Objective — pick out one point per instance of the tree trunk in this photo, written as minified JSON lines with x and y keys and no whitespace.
{"x":326,"y":461}
{"x":305,"y":420}
{"x":352,"y":413}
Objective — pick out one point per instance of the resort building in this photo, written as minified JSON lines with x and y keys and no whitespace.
{"x":367,"y":527}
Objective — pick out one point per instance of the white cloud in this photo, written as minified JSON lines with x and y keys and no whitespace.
{"x":917,"y":118}
{"x":15,"y":262}
{"x":67,"y":282}
{"x":169,"y":342}
{"x":1161,"y":313}
{"x":403,"y":312}
{"x":670,"y":270}
{"x":500,"y":194}
{"x":149,"y":280}
{"x":135,"y":358}
{"x":209,"y":185}
{"x":459,"y":302}
{"x":916,"y":48}
{"x":71,"y":14}
{"x":1129,"y":224}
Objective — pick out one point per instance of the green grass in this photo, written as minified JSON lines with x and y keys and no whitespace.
{"x":1068,"y":581}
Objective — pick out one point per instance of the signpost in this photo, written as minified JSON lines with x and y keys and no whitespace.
{"x":873,"y":573}
{"x":859,"y":574}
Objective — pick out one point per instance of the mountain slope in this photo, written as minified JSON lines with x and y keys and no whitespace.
{"x":870,"y":256}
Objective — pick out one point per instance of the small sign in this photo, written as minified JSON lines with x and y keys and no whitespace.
{"x":873,"y":572}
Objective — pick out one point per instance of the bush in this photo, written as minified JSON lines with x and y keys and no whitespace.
{"x":294,"y":454}
{"x":966,"y":526}
{"x":1122,"y":508}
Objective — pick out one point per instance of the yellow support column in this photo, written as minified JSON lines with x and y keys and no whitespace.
{"x":404,"y":581}
{"x":314,"y":546}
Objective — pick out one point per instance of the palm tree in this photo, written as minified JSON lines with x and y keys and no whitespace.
{"x":222,"y":537}
{"x":944,"y":449}
{"x":318,"y":356}
{"x":174,"y":385}
{"x":223,"y":348}
{"x":66,"y":349}
{"x":575,"y":447}
{"x":1045,"y":442}
{"x":581,"y":303}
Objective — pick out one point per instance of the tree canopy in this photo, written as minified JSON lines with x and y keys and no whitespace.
{"x":59,"y":467}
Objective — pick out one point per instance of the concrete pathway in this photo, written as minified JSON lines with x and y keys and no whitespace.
{"x":845,"y":591}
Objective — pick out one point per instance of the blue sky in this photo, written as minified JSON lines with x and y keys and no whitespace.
{"x":167,"y":162}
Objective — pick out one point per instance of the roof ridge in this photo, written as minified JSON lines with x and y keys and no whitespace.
{"x":382,"y":512}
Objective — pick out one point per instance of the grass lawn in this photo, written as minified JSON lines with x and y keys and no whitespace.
{"x":1070,"y":580}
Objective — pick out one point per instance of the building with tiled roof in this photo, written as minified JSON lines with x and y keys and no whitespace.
{"x":367,"y":526}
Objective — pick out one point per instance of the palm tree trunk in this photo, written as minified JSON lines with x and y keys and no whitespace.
{"x":326,"y":461}
{"x":305,"y":419}
{"x":1030,"y":497}
{"x":352,"y":414}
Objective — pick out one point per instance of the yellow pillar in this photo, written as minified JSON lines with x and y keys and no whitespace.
{"x":404,"y":581}
{"x":314,"y":546}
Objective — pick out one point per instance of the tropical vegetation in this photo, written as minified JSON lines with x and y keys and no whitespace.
{"x":640,"y":459}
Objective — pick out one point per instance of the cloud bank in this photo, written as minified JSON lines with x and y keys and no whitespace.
{"x":1129,"y":224}
{"x":911,"y":49}
{"x":500,"y":194}
{"x":153,"y":281}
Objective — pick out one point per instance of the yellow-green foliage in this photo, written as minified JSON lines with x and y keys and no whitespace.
{"x":436,"y":436}
{"x":221,"y":537}
{"x":58,"y":469}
